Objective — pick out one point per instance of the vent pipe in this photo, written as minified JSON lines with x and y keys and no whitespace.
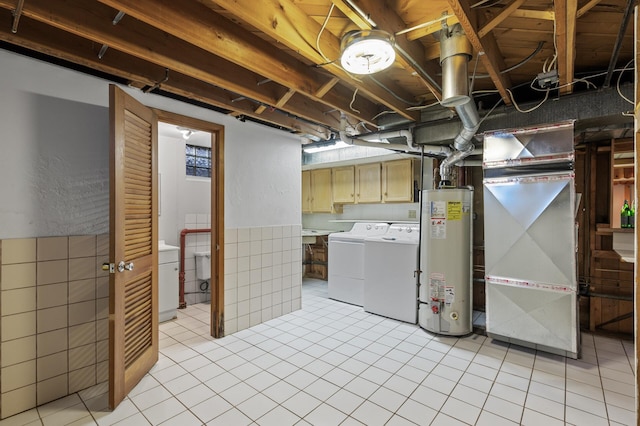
{"x":380,"y":137}
{"x":455,"y":53}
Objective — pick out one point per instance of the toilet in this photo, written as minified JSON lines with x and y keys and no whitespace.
{"x":203,"y":265}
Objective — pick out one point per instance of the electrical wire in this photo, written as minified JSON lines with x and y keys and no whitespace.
{"x":353,"y":99}
{"x":577,"y":80}
{"x":519,"y":64}
{"x":324,"y":24}
{"x":414,"y":108}
{"x":618,"y":83}
{"x":490,"y":111}
{"x":546,"y":96}
{"x":473,"y":76}
{"x":383,"y":113}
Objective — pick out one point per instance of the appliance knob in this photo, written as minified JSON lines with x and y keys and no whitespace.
{"x":409,"y":230}
{"x":369,"y":227}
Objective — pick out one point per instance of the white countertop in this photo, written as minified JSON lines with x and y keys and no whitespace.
{"x":316,"y":232}
{"x":309,"y":235}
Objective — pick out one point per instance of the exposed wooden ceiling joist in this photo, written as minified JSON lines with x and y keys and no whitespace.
{"x":94,"y":23}
{"x":565,"y":12}
{"x":265,"y":60}
{"x":547,"y":15}
{"x":587,"y":7}
{"x":199,"y":26}
{"x":286,"y":23}
{"x":37,"y":36}
{"x":432,"y":24}
{"x":504,"y":14}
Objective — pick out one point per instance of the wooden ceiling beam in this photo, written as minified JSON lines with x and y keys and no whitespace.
{"x":587,"y":7}
{"x":198,"y":25}
{"x":285,"y":22}
{"x":94,"y":23}
{"x":410,"y":53}
{"x":566,"y":12}
{"x":486,"y":47}
{"x":429,"y":25}
{"x":352,"y":14}
{"x":39,"y":37}
{"x":325,"y":88}
{"x":545,"y":15}
{"x":497,"y":20}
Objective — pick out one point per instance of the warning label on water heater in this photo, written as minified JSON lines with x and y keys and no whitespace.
{"x":438,"y":209}
{"x":438,"y":229}
{"x":438,"y":220}
{"x":437,"y":285}
{"x":454,"y":210}
{"x":449,"y":295}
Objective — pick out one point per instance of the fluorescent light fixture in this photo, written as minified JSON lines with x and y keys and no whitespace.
{"x":314,"y":149}
{"x":367,"y":51}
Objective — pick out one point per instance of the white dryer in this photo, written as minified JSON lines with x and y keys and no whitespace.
{"x":346,"y":261}
{"x":389,"y":273}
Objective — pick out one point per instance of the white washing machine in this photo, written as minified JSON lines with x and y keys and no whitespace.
{"x":346,"y":261}
{"x":390,"y":263}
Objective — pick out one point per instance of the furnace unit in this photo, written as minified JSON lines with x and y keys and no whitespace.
{"x":530,"y":238}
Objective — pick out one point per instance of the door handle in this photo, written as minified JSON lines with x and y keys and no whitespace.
{"x":122,"y":266}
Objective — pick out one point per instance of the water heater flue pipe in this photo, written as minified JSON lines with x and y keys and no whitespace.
{"x":455,"y":52}
{"x":183,"y":236}
{"x":468,"y":114}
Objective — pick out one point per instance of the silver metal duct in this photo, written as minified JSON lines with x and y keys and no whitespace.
{"x":455,"y":52}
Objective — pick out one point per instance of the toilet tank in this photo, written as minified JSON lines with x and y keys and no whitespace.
{"x":203,"y":265}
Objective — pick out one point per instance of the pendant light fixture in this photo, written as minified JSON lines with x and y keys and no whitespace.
{"x":367,"y":51}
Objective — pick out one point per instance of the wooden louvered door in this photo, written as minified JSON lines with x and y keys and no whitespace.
{"x":133,"y":294}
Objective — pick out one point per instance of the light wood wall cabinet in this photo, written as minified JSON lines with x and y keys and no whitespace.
{"x":368,"y":183}
{"x":397,"y":181}
{"x":344,"y":185}
{"x":316,"y":191}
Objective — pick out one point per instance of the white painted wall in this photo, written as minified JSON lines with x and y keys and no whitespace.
{"x":54,"y":154}
{"x":180,"y":195}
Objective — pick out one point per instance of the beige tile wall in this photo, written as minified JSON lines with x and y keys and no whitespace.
{"x":54,"y":301}
{"x":263,"y":274}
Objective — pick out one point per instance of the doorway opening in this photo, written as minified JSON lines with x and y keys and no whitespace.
{"x":191,"y":212}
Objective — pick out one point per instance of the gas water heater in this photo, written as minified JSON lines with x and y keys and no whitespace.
{"x":446,"y":261}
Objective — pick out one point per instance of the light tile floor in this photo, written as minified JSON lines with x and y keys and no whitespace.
{"x":333,"y":364}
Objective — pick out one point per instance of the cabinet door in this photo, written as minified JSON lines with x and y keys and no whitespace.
{"x":321,"y":190}
{"x":344,"y":185}
{"x":368,"y":183}
{"x":397,"y":181}
{"x":306,"y":192}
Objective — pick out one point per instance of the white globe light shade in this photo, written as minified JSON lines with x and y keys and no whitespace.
{"x":367,"y":51}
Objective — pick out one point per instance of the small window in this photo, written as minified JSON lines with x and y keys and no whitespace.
{"x":198,"y":159}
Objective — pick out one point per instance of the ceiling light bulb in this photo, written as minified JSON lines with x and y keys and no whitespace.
{"x":186,"y":133}
{"x":367,"y":51}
